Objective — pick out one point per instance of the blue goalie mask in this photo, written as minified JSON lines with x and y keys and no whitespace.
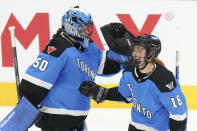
{"x":78,"y":25}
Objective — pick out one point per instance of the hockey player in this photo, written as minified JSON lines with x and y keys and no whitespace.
{"x":51,"y":83}
{"x":158,"y":102}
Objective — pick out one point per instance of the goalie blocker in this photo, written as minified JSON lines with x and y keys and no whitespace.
{"x":21,"y":117}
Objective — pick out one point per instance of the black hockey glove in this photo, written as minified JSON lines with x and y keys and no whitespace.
{"x":118,"y":38}
{"x":113,"y":31}
{"x":94,"y":91}
{"x":177,"y":125}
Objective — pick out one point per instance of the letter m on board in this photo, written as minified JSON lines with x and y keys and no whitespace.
{"x":39,"y":25}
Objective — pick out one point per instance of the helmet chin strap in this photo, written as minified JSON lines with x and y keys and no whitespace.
{"x":146,"y":62}
{"x":143,"y":66}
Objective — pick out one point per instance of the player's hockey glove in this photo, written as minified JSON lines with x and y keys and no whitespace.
{"x":94,"y":91}
{"x":118,"y":38}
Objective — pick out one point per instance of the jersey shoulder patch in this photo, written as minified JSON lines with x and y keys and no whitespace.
{"x":163,"y":79}
{"x":57,"y":46}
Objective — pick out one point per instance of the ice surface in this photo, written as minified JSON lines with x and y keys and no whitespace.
{"x":113,"y":119}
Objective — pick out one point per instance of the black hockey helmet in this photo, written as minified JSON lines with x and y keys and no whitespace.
{"x":151,"y":43}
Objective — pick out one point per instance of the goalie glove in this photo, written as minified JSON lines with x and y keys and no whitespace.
{"x":94,"y":91}
{"x":118,"y":38}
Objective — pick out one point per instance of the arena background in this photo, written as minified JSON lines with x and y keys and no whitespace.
{"x":174,"y":22}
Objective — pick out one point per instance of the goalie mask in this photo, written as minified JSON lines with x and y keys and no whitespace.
{"x":79,"y":25}
{"x":146,"y":48}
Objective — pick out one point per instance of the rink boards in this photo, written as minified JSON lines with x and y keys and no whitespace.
{"x":8,"y":97}
{"x":174,"y":22}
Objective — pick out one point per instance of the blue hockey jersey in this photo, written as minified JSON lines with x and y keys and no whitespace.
{"x":60,"y":69}
{"x":156,"y":99}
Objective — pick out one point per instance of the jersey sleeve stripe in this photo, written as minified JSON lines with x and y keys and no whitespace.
{"x":101,"y":67}
{"x":37,"y":81}
{"x":178,"y":117}
{"x":142,"y":126}
{"x":62,"y":111}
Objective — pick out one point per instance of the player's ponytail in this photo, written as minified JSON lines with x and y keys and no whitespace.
{"x":158,"y":61}
{"x":57,"y":33}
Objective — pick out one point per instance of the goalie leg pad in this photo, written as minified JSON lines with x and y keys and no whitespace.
{"x":20,"y":118}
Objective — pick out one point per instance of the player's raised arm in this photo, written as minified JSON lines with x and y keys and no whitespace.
{"x":120,"y":42}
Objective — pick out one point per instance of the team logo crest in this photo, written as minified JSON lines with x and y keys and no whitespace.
{"x":51,"y":49}
{"x":170,"y":85}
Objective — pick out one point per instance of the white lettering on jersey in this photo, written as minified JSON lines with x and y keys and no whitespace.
{"x":176,"y":101}
{"x":132,"y":95}
{"x":138,"y":105}
{"x":40,"y":64}
{"x":141,"y":109}
{"x":83,"y":67}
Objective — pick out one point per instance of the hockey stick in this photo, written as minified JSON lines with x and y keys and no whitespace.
{"x":24,"y":114}
{"x":177,"y":64}
{"x":12,"y":34}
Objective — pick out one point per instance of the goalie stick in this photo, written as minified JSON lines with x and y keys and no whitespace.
{"x":12,"y":34}
{"x":24,"y":114}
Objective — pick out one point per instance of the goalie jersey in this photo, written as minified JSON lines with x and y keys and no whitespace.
{"x":158,"y":102}
{"x":52,"y":81}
